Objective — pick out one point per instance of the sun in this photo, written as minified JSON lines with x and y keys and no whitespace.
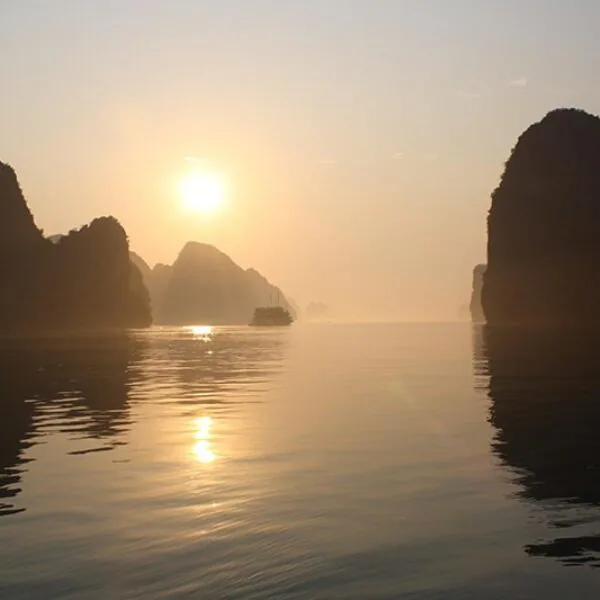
{"x":202,"y":192}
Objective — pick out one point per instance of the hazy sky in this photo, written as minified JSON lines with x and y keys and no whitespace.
{"x":361,"y":138}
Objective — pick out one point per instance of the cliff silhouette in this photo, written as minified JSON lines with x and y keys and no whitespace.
{"x":84,"y":279}
{"x":205,"y":286}
{"x":475,"y":307}
{"x":142,"y":267}
{"x":544,"y":226}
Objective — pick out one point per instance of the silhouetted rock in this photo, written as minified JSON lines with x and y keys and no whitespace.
{"x":138,"y":298}
{"x":205,"y":286}
{"x":155,"y":280}
{"x":142,"y":266}
{"x":84,"y":279}
{"x":141,"y":278}
{"x":18,"y":231}
{"x":544,"y":226}
{"x":475,"y":307}
{"x":260,"y":292}
{"x":99,"y":286}
{"x":296,"y":310}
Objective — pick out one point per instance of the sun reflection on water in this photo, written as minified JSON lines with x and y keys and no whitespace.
{"x":202,"y":449}
{"x":202,"y":332}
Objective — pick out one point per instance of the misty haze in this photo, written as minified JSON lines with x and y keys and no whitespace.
{"x":299,"y":300}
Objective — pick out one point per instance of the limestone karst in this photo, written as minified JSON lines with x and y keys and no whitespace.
{"x":544,"y":226}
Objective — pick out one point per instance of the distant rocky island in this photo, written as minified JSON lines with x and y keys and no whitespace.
{"x":89,"y":279}
{"x":543,"y":262}
{"x":475,"y":307}
{"x":204,"y":285}
{"x":81,"y":280}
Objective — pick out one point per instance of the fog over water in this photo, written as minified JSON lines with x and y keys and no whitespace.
{"x":360,"y":140}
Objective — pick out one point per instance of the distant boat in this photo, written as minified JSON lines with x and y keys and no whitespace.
{"x":271,"y":316}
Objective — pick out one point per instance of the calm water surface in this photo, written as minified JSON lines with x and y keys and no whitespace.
{"x":333,"y":462}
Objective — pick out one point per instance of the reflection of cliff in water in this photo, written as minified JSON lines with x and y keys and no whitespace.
{"x":208,"y":365}
{"x":77,"y":386}
{"x":544,"y":389}
{"x":82,"y":388}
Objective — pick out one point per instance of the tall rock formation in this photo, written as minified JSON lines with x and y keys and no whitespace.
{"x":84,"y":279}
{"x":141,"y":278}
{"x":142,"y":266}
{"x":261,"y":292}
{"x":205,"y":286}
{"x":475,"y":307}
{"x":544,"y":226}
{"x":17,"y":227}
{"x":20,"y":245}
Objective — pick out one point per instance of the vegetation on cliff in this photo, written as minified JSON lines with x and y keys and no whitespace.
{"x":544,"y":226}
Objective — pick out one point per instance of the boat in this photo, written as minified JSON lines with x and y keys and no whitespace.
{"x":271,"y":316}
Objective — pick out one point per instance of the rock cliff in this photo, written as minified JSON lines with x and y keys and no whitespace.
{"x":205,"y":286}
{"x":475,"y":307}
{"x":544,"y":226}
{"x":84,"y":279}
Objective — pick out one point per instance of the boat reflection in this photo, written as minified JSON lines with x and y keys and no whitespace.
{"x":544,"y":390}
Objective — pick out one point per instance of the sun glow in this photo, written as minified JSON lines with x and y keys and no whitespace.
{"x":202,"y":192}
